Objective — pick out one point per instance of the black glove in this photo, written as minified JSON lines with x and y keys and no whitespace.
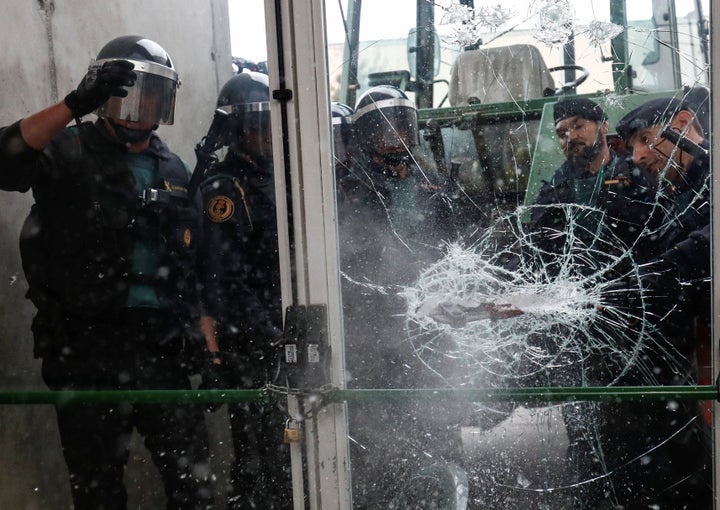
{"x":99,"y":84}
{"x":215,"y":376}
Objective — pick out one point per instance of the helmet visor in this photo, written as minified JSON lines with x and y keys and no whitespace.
{"x":387,"y":124}
{"x":249,"y":118}
{"x":248,"y":128}
{"x":151,"y":100}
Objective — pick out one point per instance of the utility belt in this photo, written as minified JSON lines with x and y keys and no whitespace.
{"x":55,"y":330}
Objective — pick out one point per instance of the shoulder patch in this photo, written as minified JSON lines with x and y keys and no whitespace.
{"x":220,"y":208}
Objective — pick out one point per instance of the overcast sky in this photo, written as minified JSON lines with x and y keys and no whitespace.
{"x":247,"y":29}
{"x":247,"y":20}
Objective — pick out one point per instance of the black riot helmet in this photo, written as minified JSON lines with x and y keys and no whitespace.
{"x":342,"y":132}
{"x":246,"y":99}
{"x":385,"y":120}
{"x":152,"y":98}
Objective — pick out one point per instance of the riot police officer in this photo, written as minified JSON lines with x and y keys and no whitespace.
{"x":109,"y":254}
{"x":666,"y":138}
{"x":392,"y":219}
{"x":242,"y":288}
{"x":649,"y":453}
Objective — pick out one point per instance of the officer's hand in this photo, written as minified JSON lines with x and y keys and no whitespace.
{"x":99,"y":84}
{"x":215,"y":374}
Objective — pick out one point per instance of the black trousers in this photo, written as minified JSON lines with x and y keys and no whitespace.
{"x":260,"y":474}
{"x":638,"y":455}
{"x":140,"y":349}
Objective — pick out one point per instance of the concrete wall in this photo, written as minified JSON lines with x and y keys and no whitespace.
{"x":46,"y":47}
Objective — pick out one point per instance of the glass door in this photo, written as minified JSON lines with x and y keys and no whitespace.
{"x":524,"y":270}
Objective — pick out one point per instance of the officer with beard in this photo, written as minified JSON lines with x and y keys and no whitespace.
{"x":581,"y":128}
{"x":651,"y":453}
{"x":595,"y":194}
{"x":393,"y":217}
{"x":593,"y":175}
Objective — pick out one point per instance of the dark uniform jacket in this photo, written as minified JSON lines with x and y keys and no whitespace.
{"x":77,"y":243}
{"x":241,"y":269}
{"x":623,"y":192}
{"x":648,"y":452}
{"x":676,"y":294}
{"x":678,"y":279}
{"x":390,"y":229}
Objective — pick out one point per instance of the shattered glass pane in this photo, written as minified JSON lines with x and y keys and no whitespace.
{"x":467,"y":24}
{"x":601,"y":33}
{"x":492,"y":304}
{"x":554,"y":22}
{"x":485,"y":243}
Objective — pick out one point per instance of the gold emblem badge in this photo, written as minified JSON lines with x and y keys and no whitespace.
{"x":187,"y":237}
{"x":220,"y":208}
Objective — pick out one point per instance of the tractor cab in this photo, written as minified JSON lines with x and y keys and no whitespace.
{"x":482,"y":75}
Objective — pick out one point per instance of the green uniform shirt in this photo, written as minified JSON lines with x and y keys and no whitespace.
{"x":145,"y":259}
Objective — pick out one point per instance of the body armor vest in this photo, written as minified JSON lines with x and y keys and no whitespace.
{"x":78,"y":240}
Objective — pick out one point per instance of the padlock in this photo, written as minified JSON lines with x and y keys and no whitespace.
{"x":293,"y":432}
